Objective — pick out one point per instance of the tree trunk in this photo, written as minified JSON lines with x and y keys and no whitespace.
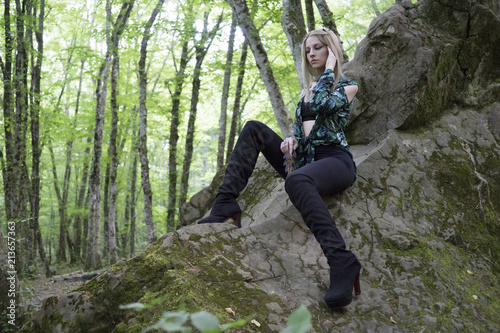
{"x":93,"y":257}
{"x":35,"y":143}
{"x":174,"y":123}
{"x":375,"y":8}
{"x":21,"y":179}
{"x":143,"y":149}
{"x":61,"y":250}
{"x":105,"y":210}
{"x":201,"y":49}
{"x":113,"y":154}
{"x":292,"y":21}
{"x":21,"y":106}
{"x":311,"y":24}
{"x":77,"y":226}
{"x":81,"y":205}
{"x":225,"y":95}
{"x":237,"y":100}
{"x":132,"y":205}
{"x":246,"y":23}
{"x":329,"y":22}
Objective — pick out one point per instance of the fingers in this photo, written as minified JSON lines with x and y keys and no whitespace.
{"x":332,"y":59}
{"x":288,"y":145}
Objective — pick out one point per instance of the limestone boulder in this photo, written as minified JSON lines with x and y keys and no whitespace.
{"x":418,"y":60}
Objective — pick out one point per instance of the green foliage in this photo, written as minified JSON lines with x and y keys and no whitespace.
{"x":205,"y":322}
{"x":299,"y":321}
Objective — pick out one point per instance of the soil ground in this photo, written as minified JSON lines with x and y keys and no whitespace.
{"x":36,"y":290}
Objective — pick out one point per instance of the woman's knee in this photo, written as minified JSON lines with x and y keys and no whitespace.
{"x":297,"y":182}
{"x":252,"y":125}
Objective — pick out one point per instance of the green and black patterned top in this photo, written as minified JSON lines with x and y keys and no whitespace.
{"x":332,"y":109}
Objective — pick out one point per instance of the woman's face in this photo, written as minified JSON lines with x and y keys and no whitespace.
{"x":316,"y":53}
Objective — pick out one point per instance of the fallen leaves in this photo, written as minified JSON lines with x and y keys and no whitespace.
{"x":230,"y":311}
{"x":255,"y":322}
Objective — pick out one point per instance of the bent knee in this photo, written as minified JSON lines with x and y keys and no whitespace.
{"x":297,"y":181}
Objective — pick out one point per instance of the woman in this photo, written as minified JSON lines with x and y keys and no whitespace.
{"x":323,"y":166}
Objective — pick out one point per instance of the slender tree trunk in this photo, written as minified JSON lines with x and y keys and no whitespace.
{"x":201,"y":49}
{"x":21,"y":179}
{"x":105,"y":210}
{"x":113,"y":154}
{"x":77,"y":226}
{"x":93,"y":255}
{"x":126,"y":236}
{"x":246,"y":23}
{"x":292,"y":21}
{"x":132,"y":205}
{"x":35,"y":141}
{"x":375,"y":8}
{"x":61,"y":250}
{"x":225,"y":95}
{"x":143,"y":150}
{"x":237,"y":99}
{"x":329,"y":22}
{"x":80,"y":195}
{"x":62,"y":198}
{"x":174,"y":124}
{"x":80,"y":205}
{"x":311,"y":24}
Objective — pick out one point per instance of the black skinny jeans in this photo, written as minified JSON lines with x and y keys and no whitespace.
{"x":332,"y":171}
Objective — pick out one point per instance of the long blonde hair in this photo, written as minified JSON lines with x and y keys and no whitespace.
{"x":328,"y":38}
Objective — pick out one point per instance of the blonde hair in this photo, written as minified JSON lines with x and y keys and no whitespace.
{"x":328,"y":38}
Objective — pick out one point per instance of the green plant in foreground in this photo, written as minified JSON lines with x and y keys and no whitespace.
{"x":205,"y":322}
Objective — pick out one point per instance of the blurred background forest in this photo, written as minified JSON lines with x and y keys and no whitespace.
{"x":84,"y":191}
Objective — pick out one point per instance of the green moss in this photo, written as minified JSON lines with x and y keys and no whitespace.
{"x":179,"y":278}
{"x":450,"y":264}
{"x":441,"y":89}
{"x":471,"y":211}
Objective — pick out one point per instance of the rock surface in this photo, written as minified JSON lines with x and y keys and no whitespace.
{"x":423,"y":216}
{"x":419,"y":60}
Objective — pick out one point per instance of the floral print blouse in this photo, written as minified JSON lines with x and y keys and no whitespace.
{"x":332,"y":110}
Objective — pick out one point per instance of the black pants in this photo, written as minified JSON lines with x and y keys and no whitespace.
{"x":331,"y":172}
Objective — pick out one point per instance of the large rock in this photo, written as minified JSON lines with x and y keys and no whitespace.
{"x":423,"y":219}
{"x":418,"y":60}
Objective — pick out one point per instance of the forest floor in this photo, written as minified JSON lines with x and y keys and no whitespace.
{"x":37,"y":289}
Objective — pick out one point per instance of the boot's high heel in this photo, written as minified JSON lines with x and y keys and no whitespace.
{"x":236,"y":219}
{"x":357,"y":286}
{"x":341,"y":285}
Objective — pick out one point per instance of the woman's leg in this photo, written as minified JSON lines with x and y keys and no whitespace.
{"x":255,"y":137}
{"x":305,"y":187}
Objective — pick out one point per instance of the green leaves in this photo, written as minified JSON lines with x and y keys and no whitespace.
{"x":299,"y":321}
{"x":205,"y":322}
{"x":171,"y":322}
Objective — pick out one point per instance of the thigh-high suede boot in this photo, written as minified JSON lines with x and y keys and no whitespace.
{"x":344,"y":267}
{"x":253,"y":139}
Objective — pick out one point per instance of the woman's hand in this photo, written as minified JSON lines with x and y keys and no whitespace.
{"x":289,"y":145}
{"x":331,"y":61}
